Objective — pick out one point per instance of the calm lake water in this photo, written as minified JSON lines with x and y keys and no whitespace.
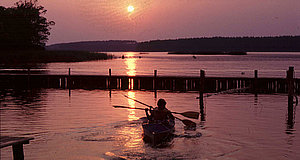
{"x":85,"y":126}
{"x":134,"y":63}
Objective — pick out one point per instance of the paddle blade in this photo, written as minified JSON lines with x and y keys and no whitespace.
{"x":120,"y":107}
{"x":188,"y":123}
{"x":194,"y":115}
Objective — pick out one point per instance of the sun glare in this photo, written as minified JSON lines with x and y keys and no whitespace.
{"x":130,"y":9}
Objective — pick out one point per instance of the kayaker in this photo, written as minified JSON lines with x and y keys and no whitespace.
{"x":160,"y":113}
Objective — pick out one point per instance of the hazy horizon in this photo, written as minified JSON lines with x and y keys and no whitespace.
{"x":97,"y":20}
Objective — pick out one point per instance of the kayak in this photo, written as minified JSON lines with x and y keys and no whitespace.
{"x":156,"y":133}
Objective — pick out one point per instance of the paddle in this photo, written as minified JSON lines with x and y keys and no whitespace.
{"x":184,"y":121}
{"x":187,"y":122}
{"x":129,"y":107}
{"x":138,"y":101}
{"x":190,"y":114}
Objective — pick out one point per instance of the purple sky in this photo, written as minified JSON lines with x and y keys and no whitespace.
{"x":80,"y":20}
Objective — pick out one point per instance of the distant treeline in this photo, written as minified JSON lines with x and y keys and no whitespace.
{"x":96,"y":46}
{"x":214,"y":44}
{"x":225,"y":44}
{"x":42,"y":56}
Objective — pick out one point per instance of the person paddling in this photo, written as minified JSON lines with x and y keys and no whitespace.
{"x":160,"y":114}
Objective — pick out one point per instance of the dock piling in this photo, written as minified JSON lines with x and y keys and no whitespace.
{"x":201,"y":91}
{"x":290,"y":84}
{"x":155,"y":83}
{"x":18,"y":152}
{"x":255,"y":83}
{"x":291,"y":87}
{"x":155,"y":80}
{"x":68,"y":82}
{"x":109,"y":78}
{"x":290,"y":81}
{"x":109,"y":82}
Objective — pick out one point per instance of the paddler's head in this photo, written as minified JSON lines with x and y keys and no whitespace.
{"x":161,"y":103}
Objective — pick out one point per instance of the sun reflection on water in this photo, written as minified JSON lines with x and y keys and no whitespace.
{"x":134,"y":136}
{"x":132,"y":133}
{"x":131,"y":115}
{"x":131,"y":64}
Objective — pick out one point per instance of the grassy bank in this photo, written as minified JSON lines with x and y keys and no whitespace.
{"x":50,"y":56}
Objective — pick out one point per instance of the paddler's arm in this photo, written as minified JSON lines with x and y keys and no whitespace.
{"x":147,"y":114}
{"x":170,"y":115}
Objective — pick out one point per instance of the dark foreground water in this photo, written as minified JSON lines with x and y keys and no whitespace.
{"x":86,"y":126}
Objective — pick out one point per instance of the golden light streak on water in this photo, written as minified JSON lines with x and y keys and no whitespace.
{"x":134,"y":137}
{"x":131,"y":103}
{"x":131,"y":64}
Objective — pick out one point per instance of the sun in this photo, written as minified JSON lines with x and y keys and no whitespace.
{"x":130,"y":9}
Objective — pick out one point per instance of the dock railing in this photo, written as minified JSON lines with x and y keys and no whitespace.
{"x":202,"y":83}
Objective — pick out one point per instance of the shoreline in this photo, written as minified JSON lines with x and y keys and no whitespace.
{"x":46,"y":56}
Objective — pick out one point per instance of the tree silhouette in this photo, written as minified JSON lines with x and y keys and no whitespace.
{"x":24,"y":26}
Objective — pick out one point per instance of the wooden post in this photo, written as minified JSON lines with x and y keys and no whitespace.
{"x":139,"y":84}
{"x":173,"y":84}
{"x":18,"y":151}
{"x":69,"y":82}
{"x":154,"y":83}
{"x":109,"y":78}
{"x":154,"y":80}
{"x":290,"y":83}
{"x":109,"y":82}
{"x":69,"y":79}
{"x":255,"y":85}
{"x":201,"y":91}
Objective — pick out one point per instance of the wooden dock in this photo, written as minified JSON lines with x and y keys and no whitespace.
{"x":153,"y":83}
{"x":17,"y":145}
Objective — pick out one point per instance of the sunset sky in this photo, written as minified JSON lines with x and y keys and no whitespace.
{"x":81,"y":20}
